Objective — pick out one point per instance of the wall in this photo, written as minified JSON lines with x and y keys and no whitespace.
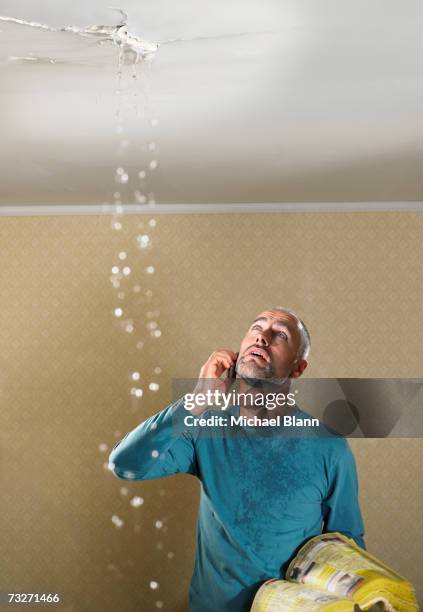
{"x":356,"y":279}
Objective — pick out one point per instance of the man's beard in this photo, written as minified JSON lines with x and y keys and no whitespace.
{"x":257,"y":376}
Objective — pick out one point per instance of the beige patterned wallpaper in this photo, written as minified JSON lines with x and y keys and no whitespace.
{"x":67,"y":523}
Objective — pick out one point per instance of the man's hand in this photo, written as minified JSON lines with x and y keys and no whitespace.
{"x":210,"y":373}
{"x":217,"y":363}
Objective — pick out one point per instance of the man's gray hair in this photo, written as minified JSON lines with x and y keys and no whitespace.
{"x":305,"y":345}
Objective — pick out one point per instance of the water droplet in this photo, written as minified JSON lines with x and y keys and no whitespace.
{"x":129,"y":328}
{"x":124,"y":491}
{"x":126,"y":270}
{"x":121,"y":295}
{"x":155,"y":454}
{"x":136,"y":501}
{"x":135,"y":375}
{"x":115,"y":270}
{"x":117,"y":521}
{"x":153,"y":386}
{"x":149,"y":293}
{"x":159,"y":604}
{"x":170,"y":555}
{"x":152,"y":223}
{"x":154,"y":585}
{"x":129,"y":475}
{"x":102,"y":447}
{"x":140,"y":197}
{"x":150,"y":270}
{"x":142,"y":174}
{"x":153,"y":426}
{"x":157,"y":370}
{"x":158,"y":524}
{"x":136,"y":391}
{"x":116,"y":225}
{"x":118,"y":312}
{"x":143,"y":240}
{"x":153,"y":164}
{"x":157,"y":333}
{"x":121,"y":176}
{"x":151,"y":325}
{"x":122,"y":255}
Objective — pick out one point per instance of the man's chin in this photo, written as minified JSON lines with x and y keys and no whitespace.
{"x":253,"y":376}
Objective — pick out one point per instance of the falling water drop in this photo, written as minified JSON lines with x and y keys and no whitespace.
{"x":122,"y":255}
{"x":140,"y":197}
{"x":102,"y":447}
{"x":124,"y":491}
{"x":154,"y":585}
{"x":136,"y":501}
{"x":118,"y":312}
{"x":150,"y":270}
{"x":117,"y":521}
{"x":155,"y":454}
{"x":135,"y":375}
{"x":144,"y":241}
{"x":158,"y":524}
{"x":153,"y":386}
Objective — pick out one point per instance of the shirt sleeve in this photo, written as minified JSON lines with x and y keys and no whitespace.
{"x":158,"y":447}
{"x":341,"y":509}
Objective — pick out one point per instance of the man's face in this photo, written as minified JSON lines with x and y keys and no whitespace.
{"x":270,"y":347}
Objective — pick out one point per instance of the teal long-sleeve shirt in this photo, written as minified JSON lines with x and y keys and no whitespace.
{"x":262,"y":496}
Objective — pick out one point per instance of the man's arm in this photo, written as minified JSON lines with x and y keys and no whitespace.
{"x":156,"y":448}
{"x":341,"y":509}
{"x":162,"y":445}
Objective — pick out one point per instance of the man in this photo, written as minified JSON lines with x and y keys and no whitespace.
{"x":262,"y":496}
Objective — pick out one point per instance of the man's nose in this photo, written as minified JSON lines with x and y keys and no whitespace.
{"x":261,"y":338}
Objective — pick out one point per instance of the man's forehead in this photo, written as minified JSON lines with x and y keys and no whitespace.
{"x":278,"y":316}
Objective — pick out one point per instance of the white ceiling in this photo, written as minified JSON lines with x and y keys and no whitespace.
{"x":262,"y":101}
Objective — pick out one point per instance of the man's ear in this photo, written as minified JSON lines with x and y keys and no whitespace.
{"x":299,"y":368}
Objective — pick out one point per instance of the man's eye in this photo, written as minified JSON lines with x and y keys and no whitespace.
{"x":282,"y":335}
